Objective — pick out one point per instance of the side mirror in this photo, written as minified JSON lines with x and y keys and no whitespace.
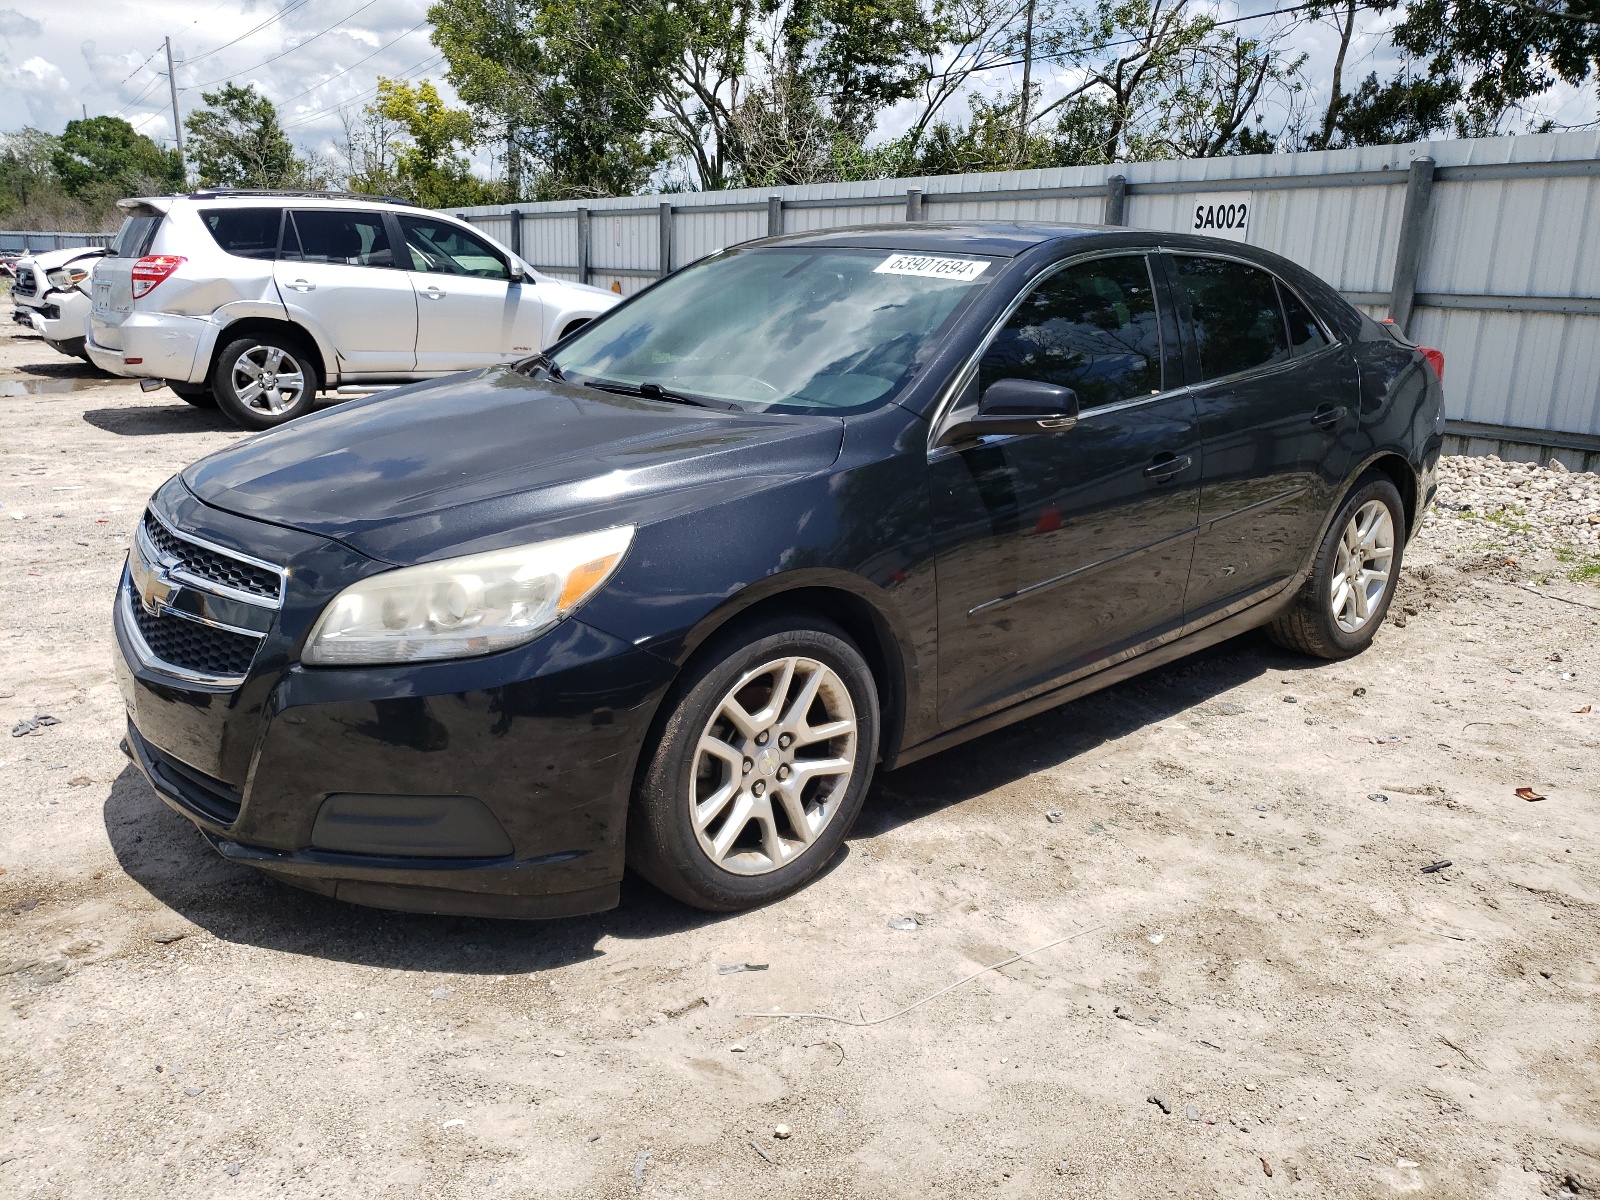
{"x":1017,"y":406}
{"x":518,"y":275}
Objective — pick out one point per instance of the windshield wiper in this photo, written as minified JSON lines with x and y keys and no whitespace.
{"x":654,"y":391}
{"x":548,"y":363}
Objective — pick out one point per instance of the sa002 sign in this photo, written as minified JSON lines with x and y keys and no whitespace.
{"x":1222,"y":214}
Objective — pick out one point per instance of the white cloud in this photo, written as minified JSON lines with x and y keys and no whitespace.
{"x":46,"y":92}
{"x":14,"y":25}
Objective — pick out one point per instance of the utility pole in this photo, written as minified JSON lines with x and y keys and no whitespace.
{"x":172,"y":85}
{"x":1027,"y":79}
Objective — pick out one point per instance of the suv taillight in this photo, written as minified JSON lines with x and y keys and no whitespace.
{"x":1435,"y":360}
{"x":150,"y":270}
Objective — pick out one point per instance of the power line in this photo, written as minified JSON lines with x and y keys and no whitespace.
{"x":355,"y":64}
{"x":140,"y":67}
{"x":422,"y":67}
{"x":283,"y":12}
{"x":282,"y":53}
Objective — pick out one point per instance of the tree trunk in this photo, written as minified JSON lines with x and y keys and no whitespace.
{"x":1335,"y":92}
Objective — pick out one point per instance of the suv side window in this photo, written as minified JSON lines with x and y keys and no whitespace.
{"x":1305,"y":334}
{"x":1237,"y":321}
{"x":326,"y":235}
{"x":446,"y":249}
{"x":246,"y":232}
{"x":1091,"y":327}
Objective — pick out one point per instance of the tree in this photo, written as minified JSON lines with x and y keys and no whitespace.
{"x":1402,"y":110}
{"x":105,"y":155}
{"x":426,"y":162}
{"x":237,"y":141}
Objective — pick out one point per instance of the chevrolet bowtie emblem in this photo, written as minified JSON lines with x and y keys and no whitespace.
{"x":153,"y":582}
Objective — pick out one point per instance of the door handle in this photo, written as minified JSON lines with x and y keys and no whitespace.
{"x":302,"y":285}
{"x":433,"y":293}
{"x":1166,"y":465}
{"x":1328,"y":416}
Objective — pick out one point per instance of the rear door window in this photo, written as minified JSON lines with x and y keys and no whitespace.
{"x":442,"y":248}
{"x":327,"y":235}
{"x":1237,"y":321}
{"x":1091,"y":327}
{"x":1305,"y":333}
{"x":246,"y":232}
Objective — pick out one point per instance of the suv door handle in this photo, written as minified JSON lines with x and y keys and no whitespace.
{"x":302,"y":285}
{"x":1328,"y":415}
{"x":432,"y":292}
{"x":1166,"y":465}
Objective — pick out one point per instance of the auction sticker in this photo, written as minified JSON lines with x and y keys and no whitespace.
{"x":963,"y":270}
{"x":1221,"y":214}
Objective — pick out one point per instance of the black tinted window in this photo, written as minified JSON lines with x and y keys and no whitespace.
{"x":328,"y":236}
{"x":447,"y":249}
{"x":1090,"y":327}
{"x":1305,"y":335}
{"x":136,"y":234}
{"x":247,"y":232}
{"x":1237,"y":321}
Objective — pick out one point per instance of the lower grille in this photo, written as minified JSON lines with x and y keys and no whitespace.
{"x":198,"y":791}
{"x":192,"y":646}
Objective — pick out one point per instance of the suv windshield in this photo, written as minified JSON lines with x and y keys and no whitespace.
{"x":781,"y":329}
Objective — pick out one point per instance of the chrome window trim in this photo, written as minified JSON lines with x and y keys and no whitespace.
{"x":200,"y":582}
{"x":147,"y":657}
{"x":943,"y":406}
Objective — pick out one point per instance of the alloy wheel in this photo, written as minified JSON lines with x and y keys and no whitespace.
{"x":773,"y":765}
{"x":1361,"y":566}
{"x":268,"y":379}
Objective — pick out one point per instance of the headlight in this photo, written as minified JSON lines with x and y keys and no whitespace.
{"x":464,"y":606}
{"x":66,"y":278}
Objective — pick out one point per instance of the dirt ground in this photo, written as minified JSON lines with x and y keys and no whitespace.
{"x":1264,"y":993}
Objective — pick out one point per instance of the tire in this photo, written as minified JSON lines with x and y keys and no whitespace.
{"x":768,"y":856}
{"x":232,"y":382}
{"x":197,"y":394}
{"x":1313,"y":623}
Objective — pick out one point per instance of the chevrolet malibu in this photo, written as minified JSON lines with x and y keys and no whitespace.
{"x":667,"y":595}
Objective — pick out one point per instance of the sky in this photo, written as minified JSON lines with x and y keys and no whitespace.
{"x":312,"y":56}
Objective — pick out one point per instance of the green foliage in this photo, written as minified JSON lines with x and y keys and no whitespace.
{"x":1402,"y":110}
{"x":31,"y":195}
{"x":104,"y":155}
{"x":427,"y":166}
{"x":237,"y":141}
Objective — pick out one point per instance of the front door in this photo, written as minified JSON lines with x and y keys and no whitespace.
{"x":1275,"y":415}
{"x":1058,"y":552}
{"x":336,"y":275}
{"x":470,"y":313}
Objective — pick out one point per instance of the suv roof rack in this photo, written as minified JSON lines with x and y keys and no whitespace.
{"x":224,"y":193}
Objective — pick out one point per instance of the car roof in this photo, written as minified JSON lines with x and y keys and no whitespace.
{"x":264,"y":199}
{"x":1001,"y":239}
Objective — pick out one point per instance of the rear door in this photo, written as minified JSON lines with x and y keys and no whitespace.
{"x":470,"y":313}
{"x":336,"y":273}
{"x":1058,"y":553}
{"x":1275,"y":418}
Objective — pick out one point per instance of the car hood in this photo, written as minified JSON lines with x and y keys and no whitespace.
{"x":492,"y":458}
{"x":49,"y":260}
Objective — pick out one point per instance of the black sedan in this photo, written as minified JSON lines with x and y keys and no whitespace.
{"x":666,"y":596}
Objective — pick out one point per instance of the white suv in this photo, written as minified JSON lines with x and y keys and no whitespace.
{"x":255,"y":301}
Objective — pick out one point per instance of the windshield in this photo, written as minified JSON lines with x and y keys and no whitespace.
{"x":781,"y":329}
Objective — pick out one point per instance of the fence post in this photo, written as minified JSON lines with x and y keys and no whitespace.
{"x":774,"y":215}
{"x":664,"y":238}
{"x":1116,"y":200}
{"x":913,"y":204}
{"x":583,"y":245}
{"x":1413,"y":230}
{"x":516,"y":232}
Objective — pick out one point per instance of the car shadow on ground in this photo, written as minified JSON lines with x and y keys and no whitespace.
{"x":143,"y":421}
{"x":165,"y":854}
{"x":69,"y":368}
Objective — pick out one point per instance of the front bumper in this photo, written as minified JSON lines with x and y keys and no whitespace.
{"x":543,"y":739}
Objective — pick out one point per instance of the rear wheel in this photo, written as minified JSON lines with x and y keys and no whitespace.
{"x":760,"y":769}
{"x":1342,"y":604}
{"x":197,"y":394}
{"x":264,"y":381}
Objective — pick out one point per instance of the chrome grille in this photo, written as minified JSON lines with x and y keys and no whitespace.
{"x":190,"y":646}
{"x":212,"y":565}
{"x":27,"y":283}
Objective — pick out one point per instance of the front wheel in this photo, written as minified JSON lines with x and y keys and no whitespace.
{"x":760,"y":768}
{"x":1342,"y":604}
{"x":264,"y":381}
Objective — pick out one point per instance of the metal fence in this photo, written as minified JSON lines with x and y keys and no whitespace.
{"x":19,"y":241}
{"x":1486,"y":248}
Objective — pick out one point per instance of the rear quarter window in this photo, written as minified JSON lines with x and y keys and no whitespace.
{"x":244,"y":232}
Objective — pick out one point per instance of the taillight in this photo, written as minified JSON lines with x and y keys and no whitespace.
{"x":1435,"y":360}
{"x":150,"y":270}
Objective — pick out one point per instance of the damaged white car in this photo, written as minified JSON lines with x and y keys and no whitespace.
{"x":51,"y":294}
